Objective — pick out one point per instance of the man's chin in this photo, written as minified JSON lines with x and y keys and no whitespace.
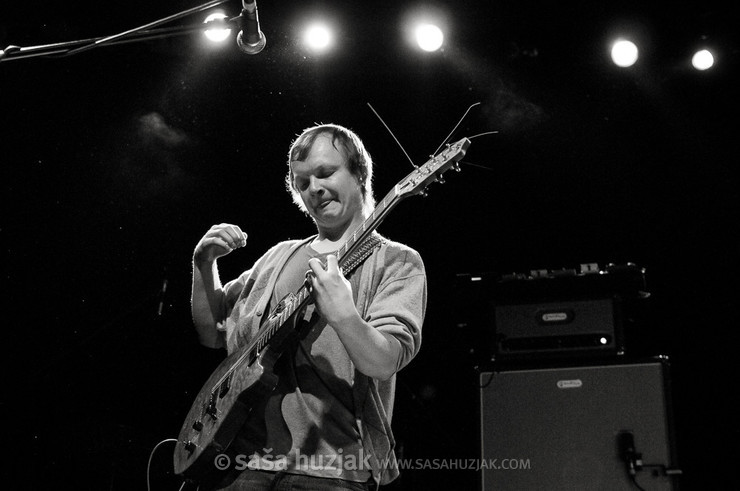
{"x":327,"y":211}
{"x":328,"y":220}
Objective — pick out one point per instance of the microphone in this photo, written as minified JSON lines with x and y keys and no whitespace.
{"x":629,"y":455}
{"x":250,"y":39}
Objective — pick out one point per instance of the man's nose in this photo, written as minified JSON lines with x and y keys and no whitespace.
{"x":314,"y":185}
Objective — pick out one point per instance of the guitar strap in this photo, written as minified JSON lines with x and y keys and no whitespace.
{"x":363,"y":251}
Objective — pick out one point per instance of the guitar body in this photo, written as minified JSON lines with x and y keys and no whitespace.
{"x":241,"y":384}
{"x":217,"y":415}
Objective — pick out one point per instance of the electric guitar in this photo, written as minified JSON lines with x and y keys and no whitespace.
{"x":244,"y":378}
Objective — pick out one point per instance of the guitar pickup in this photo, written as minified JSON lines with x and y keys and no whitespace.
{"x":223,"y":389}
{"x":211,"y":408}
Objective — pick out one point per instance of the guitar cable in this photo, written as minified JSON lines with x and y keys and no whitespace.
{"x":149,"y":463}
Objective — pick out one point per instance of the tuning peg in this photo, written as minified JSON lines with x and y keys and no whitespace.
{"x":440,"y":178}
{"x":456,"y":166}
{"x":423,"y":193}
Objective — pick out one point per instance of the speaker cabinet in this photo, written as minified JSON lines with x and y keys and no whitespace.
{"x":569,"y":428}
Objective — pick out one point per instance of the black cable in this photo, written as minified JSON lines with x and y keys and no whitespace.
{"x":633,"y":477}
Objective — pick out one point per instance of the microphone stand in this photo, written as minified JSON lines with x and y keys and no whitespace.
{"x":146,"y":32}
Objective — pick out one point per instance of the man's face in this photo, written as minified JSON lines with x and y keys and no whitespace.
{"x":331,"y":194}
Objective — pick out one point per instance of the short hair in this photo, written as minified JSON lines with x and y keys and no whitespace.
{"x":359,"y":162}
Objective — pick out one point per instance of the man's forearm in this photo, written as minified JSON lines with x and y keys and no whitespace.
{"x":206,"y":301}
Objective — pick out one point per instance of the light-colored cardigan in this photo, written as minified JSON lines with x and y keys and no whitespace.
{"x":390,"y":293}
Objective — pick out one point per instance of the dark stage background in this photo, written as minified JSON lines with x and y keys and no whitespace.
{"x":117,"y":160}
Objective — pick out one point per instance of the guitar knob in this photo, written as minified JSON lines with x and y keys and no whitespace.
{"x":190,"y":447}
{"x":198,"y":425}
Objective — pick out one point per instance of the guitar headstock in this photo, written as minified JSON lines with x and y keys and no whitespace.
{"x":418,"y":180}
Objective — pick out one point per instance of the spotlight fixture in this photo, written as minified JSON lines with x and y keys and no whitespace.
{"x":318,"y":37}
{"x":429,"y":37}
{"x":219,"y":34}
{"x":702,"y":60}
{"x":624,"y":53}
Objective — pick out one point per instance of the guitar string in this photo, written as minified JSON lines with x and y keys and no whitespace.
{"x":456,"y":126}
{"x":445,"y":155}
{"x":393,"y":136}
{"x":263,"y":336}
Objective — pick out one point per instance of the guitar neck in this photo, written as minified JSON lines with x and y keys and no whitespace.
{"x":367,"y":227}
{"x":302,"y":297}
{"x":414,"y":183}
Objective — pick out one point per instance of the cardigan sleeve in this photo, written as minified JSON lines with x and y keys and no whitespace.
{"x":397,"y":298}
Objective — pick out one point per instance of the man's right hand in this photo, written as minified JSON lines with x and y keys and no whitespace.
{"x":218,"y":241}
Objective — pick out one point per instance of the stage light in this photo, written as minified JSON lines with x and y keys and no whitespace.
{"x":318,"y":37}
{"x":216,"y":35}
{"x":429,"y":37}
{"x":702,"y":60}
{"x":624,"y":53}
{"x":426,"y":27}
